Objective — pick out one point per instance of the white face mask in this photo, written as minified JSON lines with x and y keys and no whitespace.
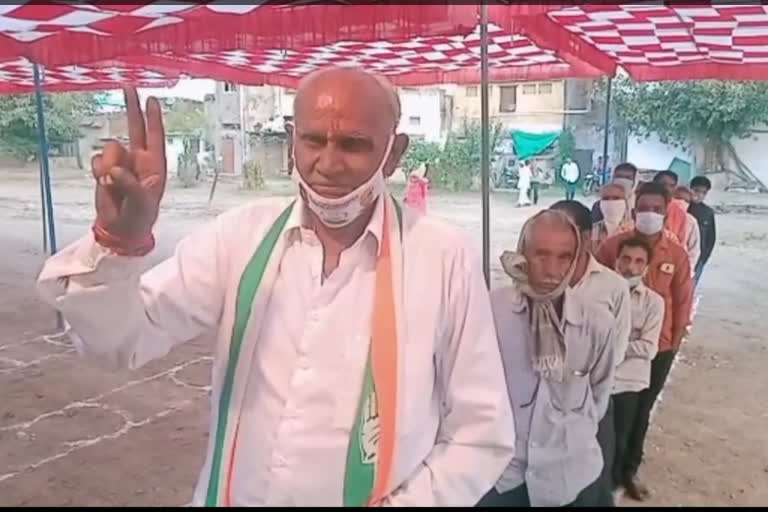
{"x":628,"y":184}
{"x":613,"y":210}
{"x":649,"y":223}
{"x":339,"y":212}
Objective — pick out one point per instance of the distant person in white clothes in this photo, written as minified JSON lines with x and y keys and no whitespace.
{"x":570,"y":174}
{"x":524,"y":175}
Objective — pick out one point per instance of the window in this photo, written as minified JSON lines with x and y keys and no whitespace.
{"x":545,"y":88}
{"x":230,"y":87}
{"x":529,"y":89}
{"x":472,"y":92}
{"x":414,"y":120}
{"x":507,"y":98}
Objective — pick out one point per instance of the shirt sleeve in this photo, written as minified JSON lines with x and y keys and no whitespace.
{"x":124,"y":317}
{"x":623,"y":323}
{"x":646,"y":345}
{"x":606,"y":253}
{"x":682,"y":296}
{"x":602,"y":372}
{"x":476,"y":439}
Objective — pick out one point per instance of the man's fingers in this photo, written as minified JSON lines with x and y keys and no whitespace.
{"x":124,"y":181}
{"x":137,"y":133}
{"x":114,"y":155}
{"x":96,"y":166}
{"x":156,"y":135}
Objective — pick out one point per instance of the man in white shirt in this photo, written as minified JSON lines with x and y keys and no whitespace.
{"x":559,"y":358}
{"x":356,"y":358}
{"x":570,"y":174}
{"x":596,"y":284}
{"x":524,"y":175}
{"x":634,"y":373}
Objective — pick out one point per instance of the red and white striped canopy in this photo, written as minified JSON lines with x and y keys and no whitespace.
{"x":416,"y":61}
{"x":655,"y":41}
{"x":81,"y":32}
{"x":16,"y":76}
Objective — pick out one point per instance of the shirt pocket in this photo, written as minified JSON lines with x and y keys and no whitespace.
{"x":571,"y":394}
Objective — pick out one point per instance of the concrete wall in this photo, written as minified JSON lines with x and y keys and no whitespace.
{"x":421,"y":115}
{"x":539,"y":105}
{"x":651,"y":153}
{"x":271,"y":152}
{"x":752,"y":152}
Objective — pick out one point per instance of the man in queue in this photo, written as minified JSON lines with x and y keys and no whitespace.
{"x":559,"y":358}
{"x":356,"y":361}
{"x":669,"y":275}
{"x":634,"y":373}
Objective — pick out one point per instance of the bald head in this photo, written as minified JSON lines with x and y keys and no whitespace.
{"x":683,"y":193}
{"x":612,"y":192}
{"x":550,"y":243}
{"x":367,"y":88}
{"x":345,"y":120}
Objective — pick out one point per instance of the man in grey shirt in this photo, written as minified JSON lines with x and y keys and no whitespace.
{"x":559,"y":362}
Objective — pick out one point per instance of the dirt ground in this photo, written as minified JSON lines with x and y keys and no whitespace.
{"x":73,"y":434}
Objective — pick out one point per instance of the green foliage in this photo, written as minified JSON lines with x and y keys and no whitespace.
{"x":566,"y":146}
{"x":461,"y":159}
{"x":678,"y":112}
{"x":184,"y":117}
{"x":420,"y":152}
{"x":64,"y":112}
{"x":253,"y":174}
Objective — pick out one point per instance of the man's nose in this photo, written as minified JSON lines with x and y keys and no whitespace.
{"x":330,"y":162}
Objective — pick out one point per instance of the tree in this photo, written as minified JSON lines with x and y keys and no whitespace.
{"x":705,"y":114}
{"x":64,"y":112}
{"x":419,"y":153}
{"x":184,"y":117}
{"x":566,"y":146}
{"x":460,"y":161}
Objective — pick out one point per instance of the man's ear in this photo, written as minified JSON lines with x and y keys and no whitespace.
{"x":399,"y":147}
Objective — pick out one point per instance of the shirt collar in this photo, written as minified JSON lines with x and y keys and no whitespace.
{"x":573,"y":311}
{"x":593,"y":267}
{"x":299,"y":220}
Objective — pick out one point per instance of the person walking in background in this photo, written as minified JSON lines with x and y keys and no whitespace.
{"x":570,"y":174}
{"x":669,"y":275}
{"x":705,"y":217}
{"x":633,"y":374}
{"x":524,"y":183}
{"x":535,"y":182}
{"x":559,"y":358}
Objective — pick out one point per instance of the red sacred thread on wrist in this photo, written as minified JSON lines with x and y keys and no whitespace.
{"x":123,"y":246}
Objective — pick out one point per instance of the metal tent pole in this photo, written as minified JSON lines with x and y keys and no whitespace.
{"x":43,"y":209}
{"x":607,"y":126}
{"x":45,"y":168}
{"x":485,"y":163}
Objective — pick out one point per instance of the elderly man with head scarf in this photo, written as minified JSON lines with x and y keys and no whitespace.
{"x":356,"y":361}
{"x":558,"y":355}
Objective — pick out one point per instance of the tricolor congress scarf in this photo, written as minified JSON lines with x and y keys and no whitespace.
{"x":372,"y":450}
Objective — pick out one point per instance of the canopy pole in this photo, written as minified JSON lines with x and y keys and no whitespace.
{"x":45,"y":171}
{"x":43,"y":209}
{"x":44,"y":167}
{"x":607,"y":127}
{"x":485,"y":162}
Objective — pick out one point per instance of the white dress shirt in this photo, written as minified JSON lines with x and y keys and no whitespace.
{"x":570,"y":172}
{"x":557,"y":455}
{"x":455,"y":428}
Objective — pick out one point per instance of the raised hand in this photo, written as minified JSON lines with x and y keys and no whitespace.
{"x":130,"y":182}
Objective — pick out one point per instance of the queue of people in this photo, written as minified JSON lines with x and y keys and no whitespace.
{"x":359,"y":357}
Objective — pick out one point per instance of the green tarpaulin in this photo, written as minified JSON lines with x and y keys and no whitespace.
{"x":532,"y":144}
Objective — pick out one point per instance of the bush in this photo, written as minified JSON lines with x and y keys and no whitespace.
{"x":253,"y":176}
{"x":566,"y":147}
{"x":460,"y":161}
{"x":420,"y":153}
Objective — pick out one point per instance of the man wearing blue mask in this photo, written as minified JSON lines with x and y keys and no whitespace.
{"x":356,"y":360}
{"x":669,"y":275}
